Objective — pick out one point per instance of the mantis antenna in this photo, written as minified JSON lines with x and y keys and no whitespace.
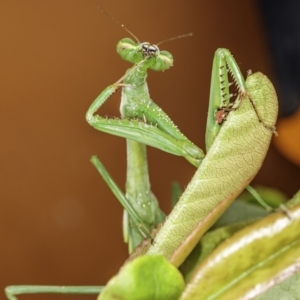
{"x":116,"y":21}
{"x":134,"y":36}
{"x":176,"y":38}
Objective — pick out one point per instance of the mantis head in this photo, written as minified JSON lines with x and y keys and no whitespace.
{"x":135,"y":53}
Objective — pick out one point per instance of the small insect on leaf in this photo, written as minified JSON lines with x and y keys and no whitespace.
{"x":221,"y":114}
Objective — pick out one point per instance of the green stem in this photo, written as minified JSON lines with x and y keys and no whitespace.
{"x":13,"y":290}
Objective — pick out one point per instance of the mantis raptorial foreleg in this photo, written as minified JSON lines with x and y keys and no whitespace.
{"x":220,"y":104}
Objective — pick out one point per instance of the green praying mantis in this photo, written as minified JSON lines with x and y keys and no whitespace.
{"x":237,"y":131}
{"x":144,"y":123}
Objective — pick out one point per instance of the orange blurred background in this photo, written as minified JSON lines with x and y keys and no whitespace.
{"x":60,"y":223}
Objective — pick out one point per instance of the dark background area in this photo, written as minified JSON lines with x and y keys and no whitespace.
{"x":59,"y":222}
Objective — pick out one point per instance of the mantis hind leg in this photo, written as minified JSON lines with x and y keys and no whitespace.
{"x":121,"y":197}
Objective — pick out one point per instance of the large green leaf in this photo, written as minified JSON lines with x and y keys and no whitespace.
{"x":207,"y":244}
{"x":250,"y":261}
